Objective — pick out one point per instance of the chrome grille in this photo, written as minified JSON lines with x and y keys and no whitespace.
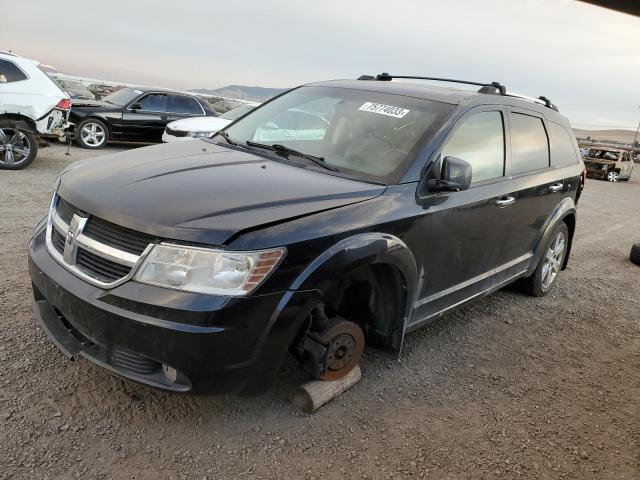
{"x":98,"y":251}
{"x":117,"y":236}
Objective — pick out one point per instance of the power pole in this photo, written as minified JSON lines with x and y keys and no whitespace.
{"x":636,"y":136}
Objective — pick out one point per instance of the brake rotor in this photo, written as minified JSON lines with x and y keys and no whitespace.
{"x":346,"y":343}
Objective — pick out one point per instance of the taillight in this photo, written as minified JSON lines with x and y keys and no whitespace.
{"x":584,"y":176}
{"x":64,"y":104}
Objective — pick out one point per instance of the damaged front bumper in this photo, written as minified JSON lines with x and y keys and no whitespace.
{"x":176,"y":341}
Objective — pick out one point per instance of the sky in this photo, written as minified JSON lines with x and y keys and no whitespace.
{"x":584,"y":58}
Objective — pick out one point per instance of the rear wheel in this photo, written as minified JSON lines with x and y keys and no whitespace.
{"x":92,"y":133}
{"x":18,"y":148}
{"x":546,"y":273}
{"x":613,"y":176}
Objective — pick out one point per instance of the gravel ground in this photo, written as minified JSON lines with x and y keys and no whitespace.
{"x":508,"y":387}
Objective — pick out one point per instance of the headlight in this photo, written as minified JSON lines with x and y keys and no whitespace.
{"x":200,"y":134}
{"x":203,"y":270}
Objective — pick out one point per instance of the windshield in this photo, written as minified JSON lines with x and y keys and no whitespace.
{"x":604,"y":154}
{"x":122,"y":97}
{"x":365,"y":134}
{"x":237,"y":112}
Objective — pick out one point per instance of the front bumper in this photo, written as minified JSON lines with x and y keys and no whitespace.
{"x":212,"y":344}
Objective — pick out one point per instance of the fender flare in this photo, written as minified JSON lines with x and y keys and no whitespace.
{"x":292,"y":309}
{"x":20,"y":122}
{"x":565,"y":208}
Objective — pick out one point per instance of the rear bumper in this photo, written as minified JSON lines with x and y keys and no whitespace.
{"x":214,"y":344}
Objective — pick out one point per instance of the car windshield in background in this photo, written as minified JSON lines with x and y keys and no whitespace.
{"x":237,"y":112}
{"x":365,"y":134}
{"x":122,"y":96}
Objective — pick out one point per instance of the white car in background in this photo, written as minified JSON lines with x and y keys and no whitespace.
{"x":31,"y":104}
{"x":202,"y":127}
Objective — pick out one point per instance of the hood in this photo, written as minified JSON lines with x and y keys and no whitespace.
{"x":199,"y":124}
{"x":202,"y":192}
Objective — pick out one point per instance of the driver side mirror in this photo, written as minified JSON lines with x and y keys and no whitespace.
{"x":135,"y":106}
{"x":455,"y":175}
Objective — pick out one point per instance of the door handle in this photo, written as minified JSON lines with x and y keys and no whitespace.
{"x":556,"y":187}
{"x":505,"y":201}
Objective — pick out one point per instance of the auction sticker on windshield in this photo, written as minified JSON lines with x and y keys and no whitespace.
{"x":384,"y":109}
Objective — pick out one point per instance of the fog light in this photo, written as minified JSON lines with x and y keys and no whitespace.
{"x":170,"y":373}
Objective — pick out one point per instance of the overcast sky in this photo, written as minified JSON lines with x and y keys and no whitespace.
{"x":585,"y":58}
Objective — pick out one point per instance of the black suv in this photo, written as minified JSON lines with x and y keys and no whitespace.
{"x":196,"y":266}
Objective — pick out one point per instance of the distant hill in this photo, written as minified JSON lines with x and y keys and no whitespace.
{"x":243,"y":92}
{"x":612,"y":135}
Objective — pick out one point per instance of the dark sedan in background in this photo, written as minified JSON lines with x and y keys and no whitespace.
{"x":133,"y":114}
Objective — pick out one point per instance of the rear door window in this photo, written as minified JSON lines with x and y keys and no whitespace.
{"x":562,"y":150}
{"x":480,"y":142}
{"x":529,"y":144}
{"x":9,"y":72}
{"x":154,"y":102}
{"x":185,"y":105}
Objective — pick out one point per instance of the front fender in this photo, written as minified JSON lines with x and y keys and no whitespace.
{"x":304,"y":292}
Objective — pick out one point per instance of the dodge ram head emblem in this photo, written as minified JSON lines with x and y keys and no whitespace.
{"x":70,"y":243}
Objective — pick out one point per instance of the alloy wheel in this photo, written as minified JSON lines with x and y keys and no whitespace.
{"x":613,"y":176}
{"x":15,"y":147}
{"x":93,"y":134}
{"x":553,"y":260}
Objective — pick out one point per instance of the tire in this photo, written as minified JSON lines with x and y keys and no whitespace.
{"x":539,"y":283}
{"x":613,"y":176}
{"x":634,"y":256}
{"x":18,"y":148}
{"x":92,"y":134}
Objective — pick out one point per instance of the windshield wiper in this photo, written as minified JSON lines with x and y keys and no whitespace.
{"x":225,"y":135}
{"x":286,"y":151}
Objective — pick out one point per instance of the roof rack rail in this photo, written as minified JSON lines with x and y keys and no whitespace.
{"x":493,"y":88}
{"x":540,"y":100}
{"x":386,"y":77}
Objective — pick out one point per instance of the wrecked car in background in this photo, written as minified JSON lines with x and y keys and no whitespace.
{"x":612,"y":164}
{"x":31,"y":105}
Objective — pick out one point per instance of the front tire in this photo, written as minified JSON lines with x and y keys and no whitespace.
{"x":18,"y":148}
{"x":613,"y":176}
{"x":546,"y":273}
{"x":92,"y":134}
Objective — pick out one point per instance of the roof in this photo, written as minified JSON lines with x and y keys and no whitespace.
{"x":453,"y":96}
{"x":162,"y":90}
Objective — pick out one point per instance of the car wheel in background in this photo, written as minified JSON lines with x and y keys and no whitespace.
{"x":613,"y":176}
{"x":546,"y":273}
{"x":634,"y":256}
{"x":18,"y":148}
{"x":92,"y":133}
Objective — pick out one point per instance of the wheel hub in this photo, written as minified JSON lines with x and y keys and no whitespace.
{"x":340,"y":351}
{"x":345,"y":343}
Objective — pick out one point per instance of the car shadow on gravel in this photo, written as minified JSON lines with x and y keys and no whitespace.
{"x":428,"y":353}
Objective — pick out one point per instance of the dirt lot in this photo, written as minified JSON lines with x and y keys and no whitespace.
{"x":509,"y":387}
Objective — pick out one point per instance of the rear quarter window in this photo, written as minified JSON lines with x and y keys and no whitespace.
{"x":9,"y":72}
{"x":529,"y":144}
{"x":562,"y":149}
